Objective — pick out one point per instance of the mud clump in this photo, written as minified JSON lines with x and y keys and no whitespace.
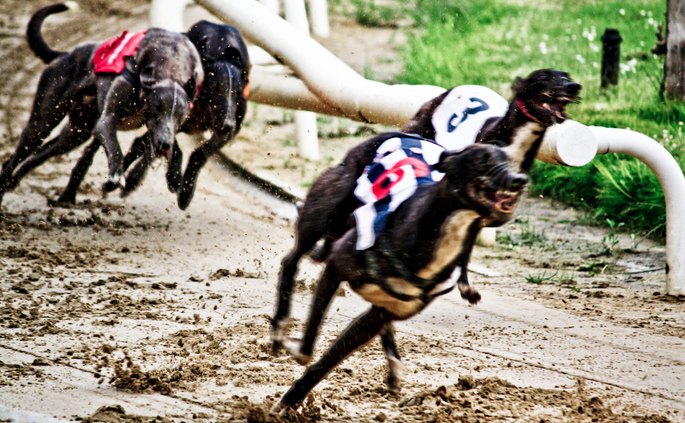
{"x":309,"y":411}
{"x":493,"y":399}
{"x":117,"y":414}
{"x":130,"y":377}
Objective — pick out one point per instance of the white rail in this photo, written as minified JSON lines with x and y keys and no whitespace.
{"x":324,"y":84}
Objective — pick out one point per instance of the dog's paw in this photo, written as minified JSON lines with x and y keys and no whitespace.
{"x":279,"y":332}
{"x":280,"y":409}
{"x":319,"y":253}
{"x":293,"y":346}
{"x":394,"y":379}
{"x":469,"y":293}
{"x":114,"y":182}
{"x":64,"y":203}
{"x":184,"y":198}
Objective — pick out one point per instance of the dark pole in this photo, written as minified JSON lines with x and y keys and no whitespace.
{"x":674,"y":65}
{"x":611,"y":56}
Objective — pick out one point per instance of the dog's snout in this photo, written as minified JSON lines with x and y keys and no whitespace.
{"x":519,"y":181}
{"x":573,"y":88}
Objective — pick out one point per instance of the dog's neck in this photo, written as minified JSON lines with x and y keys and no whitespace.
{"x":431,"y":209}
{"x":522,"y":132}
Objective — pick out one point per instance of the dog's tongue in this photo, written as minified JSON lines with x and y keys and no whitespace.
{"x":166,"y":152}
{"x":559,"y":110}
{"x":506,"y":202}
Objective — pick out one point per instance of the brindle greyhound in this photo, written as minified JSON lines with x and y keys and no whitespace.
{"x":156,"y":88}
{"x":413,"y":260}
{"x":220,"y":107}
{"x":539,"y":101}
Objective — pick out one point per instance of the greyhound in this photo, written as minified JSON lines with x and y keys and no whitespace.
{"x":538,"y":102}
{"x":413,"y":261}
{"x":156,"y":87}
{"x":220,"y":107}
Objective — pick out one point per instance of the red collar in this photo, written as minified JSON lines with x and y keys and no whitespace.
{"x":525,"y":111}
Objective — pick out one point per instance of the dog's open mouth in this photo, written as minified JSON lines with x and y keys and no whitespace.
{"x":557,"y":108}
{"x":496,"y":199}
{"x":503,"y":201}
{"x":165,"y":151}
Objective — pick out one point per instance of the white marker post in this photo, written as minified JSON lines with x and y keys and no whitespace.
{"x":305,"y":122}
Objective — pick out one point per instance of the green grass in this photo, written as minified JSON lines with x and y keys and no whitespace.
{"x":490,"y":42}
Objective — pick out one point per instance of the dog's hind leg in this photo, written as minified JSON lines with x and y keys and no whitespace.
{"x":308,"y":232}
{"x":76,"y":131}
{"x":50,"y":106}
{"x":326,"y":203}
{"x":77,"y":174}
{"x":392,"y":355}
{"x":363,"y":329}
{"x":325,"y":290}
{"x":197,"y":160}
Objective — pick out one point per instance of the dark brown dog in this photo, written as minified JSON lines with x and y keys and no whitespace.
{"x":65,"y":89}
{"x":413,"y":259}
{"x":156,"y":89}
{"x":539,"y":101}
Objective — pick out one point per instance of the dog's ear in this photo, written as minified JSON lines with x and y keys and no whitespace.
{"x":497,"y":143}
{"x":197,"y":78}
{"x":517,"y":85}
{"x":449,"y":161}
{"x":190,"y":87}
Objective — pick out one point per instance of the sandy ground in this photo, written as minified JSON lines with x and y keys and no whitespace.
{"x":131,"y":310}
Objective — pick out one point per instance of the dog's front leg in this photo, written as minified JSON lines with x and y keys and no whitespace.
{"x":363,"y":329}
{"x":105,"y":133}
{"x":197,"y":160}
{"x":138,"y":147}
{"x":174,"y":172}
{"x":119,"y":97}
{"x":142,"y":146}
{"x":325,"y":290}
{"x":392,"y":355}
{"x":468,"y":292}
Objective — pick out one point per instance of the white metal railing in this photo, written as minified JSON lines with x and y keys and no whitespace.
{"x":324,"y":84}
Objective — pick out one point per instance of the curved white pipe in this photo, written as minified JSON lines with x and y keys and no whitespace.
{"x":569,"y":143}
{"x":670,"y":176}
{"x":330,"y":79}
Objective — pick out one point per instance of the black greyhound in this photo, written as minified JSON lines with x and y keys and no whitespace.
{"x":220,"y":107}
{"x":539,"y":101}
{"x":156,"y":88}
{"x":413,"y":260}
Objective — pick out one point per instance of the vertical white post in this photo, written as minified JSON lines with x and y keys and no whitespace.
{"x":168,"y":14}
{"x":307,"y":137}
{"x":318,"y":18}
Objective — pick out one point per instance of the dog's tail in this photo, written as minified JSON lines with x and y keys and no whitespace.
{"x":34,"y":36}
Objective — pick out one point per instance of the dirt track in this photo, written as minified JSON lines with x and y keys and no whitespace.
{"x":131,"y":310}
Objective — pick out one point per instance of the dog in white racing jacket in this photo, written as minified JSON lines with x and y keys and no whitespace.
{"x":415,"y":256}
